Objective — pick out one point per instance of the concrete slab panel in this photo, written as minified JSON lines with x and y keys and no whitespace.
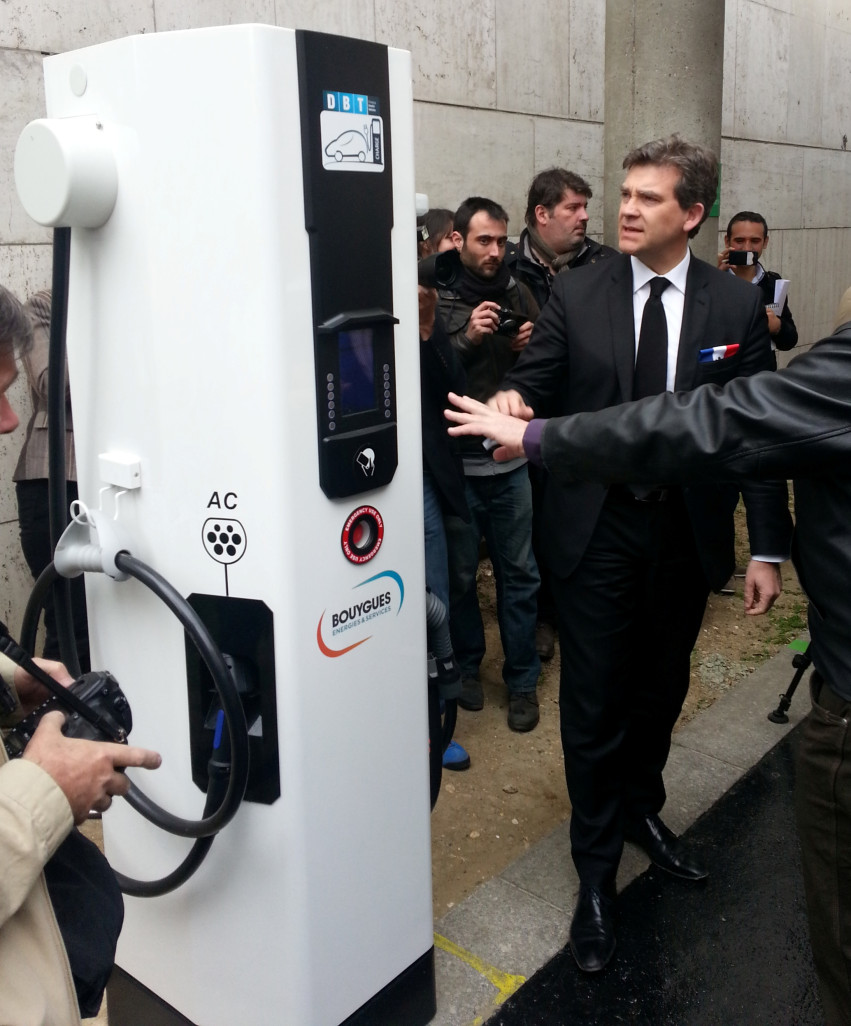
{"x":693,"y":781}
{"x":26,"y":268}
{"x":178,"y":14}
{"x":832,"y":251}
{"x":836,"y":12}
{"x":15,"y":579}
{"x":533,"y":57}
{"x":762,"y":65}
{"x":55,"y":28}
{"x":806,"y":94}
{"x":507,"y":927}
{"x":765,"y":177}
{"x":453,"y":47}
{"x":22,"y":88}
{"x":587,"y":59}
{"x":578,"y":146}
{"x":827,"y":187}
{"x":355,"y":18}
{"x":736,"y":730}
{"x":460,"y":153}
{"x":462,"y":992}
{"x":547,"y":870}
{"x":728,"y":102}
{"x":837,"y":75}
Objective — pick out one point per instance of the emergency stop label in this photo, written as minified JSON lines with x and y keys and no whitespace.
{"x":355,"y":618}
{"x":352,"y":132}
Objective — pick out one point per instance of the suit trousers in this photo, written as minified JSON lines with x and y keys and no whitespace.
{"x":823,"y":812}
{"x":628,"y":618}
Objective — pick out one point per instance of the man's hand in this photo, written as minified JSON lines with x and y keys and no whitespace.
{"x":521,"y":339}
{"x":428,"y":306}
{"x":511,"y":403}
{"x":88,"y":772}
{"x":483,"y":322}
{"x":724,"y":260}
{"x":763,"y":584}
{"x":774,"y":324}
{"x":474,"y":418}
{"x":32,"y":692}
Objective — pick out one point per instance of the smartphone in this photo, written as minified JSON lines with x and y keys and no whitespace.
{"x":741,"y":258}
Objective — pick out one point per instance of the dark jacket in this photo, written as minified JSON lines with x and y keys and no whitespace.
{"x":795,"y":423}
{"x":440,"y":373}
{"x":486,"y":364}
{"x":787,"y":337}
{"x":581,"y":357}
{"x":536,"y":276}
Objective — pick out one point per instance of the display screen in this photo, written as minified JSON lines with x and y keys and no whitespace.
{"x":357,"y":371}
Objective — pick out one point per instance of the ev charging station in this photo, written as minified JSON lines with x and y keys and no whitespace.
{"x":243,"y":361}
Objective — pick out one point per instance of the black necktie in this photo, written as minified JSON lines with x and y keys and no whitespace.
{"x":651,"y":363}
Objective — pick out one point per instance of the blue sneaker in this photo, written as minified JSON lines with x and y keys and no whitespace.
{"x":455,"y":757}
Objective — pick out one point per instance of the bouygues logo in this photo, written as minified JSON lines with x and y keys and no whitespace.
{"x":353,"y":621}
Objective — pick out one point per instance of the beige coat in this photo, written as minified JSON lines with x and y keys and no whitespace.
{"x":36,"y":988}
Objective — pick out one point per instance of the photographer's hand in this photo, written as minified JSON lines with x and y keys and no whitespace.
{"x":724,"y":260}
{"x":32,"y":692}
{"x":428,"y":307}
{"x":521,"y":339}
{"x":88,"y":772}
{"x":483,"y":322}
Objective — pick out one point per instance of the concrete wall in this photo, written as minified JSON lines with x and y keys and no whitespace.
{"x":503,"y":89}
{"x":786,"y":124}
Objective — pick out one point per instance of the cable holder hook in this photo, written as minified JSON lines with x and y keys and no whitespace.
{"x":91,"y":542}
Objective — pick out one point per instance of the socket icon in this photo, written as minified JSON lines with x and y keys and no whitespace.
{"x":224,"y":539}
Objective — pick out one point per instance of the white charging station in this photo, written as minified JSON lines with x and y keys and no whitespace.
{"x":242,"y":341}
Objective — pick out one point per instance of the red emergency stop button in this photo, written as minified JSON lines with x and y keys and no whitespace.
{"x":362,"y":534}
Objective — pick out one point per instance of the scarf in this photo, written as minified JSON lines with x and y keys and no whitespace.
{"x":558,"y":261}
{"x":474,"y":289}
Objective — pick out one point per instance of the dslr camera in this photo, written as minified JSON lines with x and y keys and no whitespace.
{"x":104,"y":697}
{"x":440,"y":270}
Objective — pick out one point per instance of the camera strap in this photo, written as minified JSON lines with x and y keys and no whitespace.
{"x":63,"y":696}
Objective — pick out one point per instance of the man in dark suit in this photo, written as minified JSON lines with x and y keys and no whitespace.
{"x":632,"y":567}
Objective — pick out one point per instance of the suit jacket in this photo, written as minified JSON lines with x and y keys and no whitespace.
{"x":581,"y":358}
{"x":795,"y":423}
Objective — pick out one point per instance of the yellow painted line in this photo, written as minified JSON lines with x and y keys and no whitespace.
{"x":506,"y":984}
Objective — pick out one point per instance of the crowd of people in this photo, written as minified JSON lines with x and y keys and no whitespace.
{"x":601,"y":532}
{"x":647,"y":397}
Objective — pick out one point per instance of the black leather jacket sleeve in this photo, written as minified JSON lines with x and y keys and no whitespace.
{"x":795,"y":422}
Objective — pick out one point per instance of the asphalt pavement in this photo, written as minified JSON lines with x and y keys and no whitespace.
{"x":730,"y":951}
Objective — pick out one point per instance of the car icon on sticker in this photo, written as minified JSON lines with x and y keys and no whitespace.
{"x":349,"y":145}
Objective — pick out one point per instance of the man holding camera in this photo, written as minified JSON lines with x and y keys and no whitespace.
{"x":55,"y":784}
{"x":745,"y":241}
{"x":488,"y":316}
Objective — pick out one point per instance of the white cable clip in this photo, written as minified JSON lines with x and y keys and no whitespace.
{"x":90,"y":543}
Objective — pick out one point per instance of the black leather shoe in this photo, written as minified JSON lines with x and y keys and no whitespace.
{"x":665,"y":849}
{"x":592,"y":932}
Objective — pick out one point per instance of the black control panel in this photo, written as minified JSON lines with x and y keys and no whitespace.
{"x":348,"y":192}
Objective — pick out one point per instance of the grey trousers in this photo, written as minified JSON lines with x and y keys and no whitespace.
{"x":823,"y":811}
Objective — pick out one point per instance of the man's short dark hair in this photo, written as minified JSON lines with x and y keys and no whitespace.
{"x":548,"y":187}
{"x":15,"y":327}
{"x":698,"y":168}
{"x":747,"y":215}
{"x":471,"y":206}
